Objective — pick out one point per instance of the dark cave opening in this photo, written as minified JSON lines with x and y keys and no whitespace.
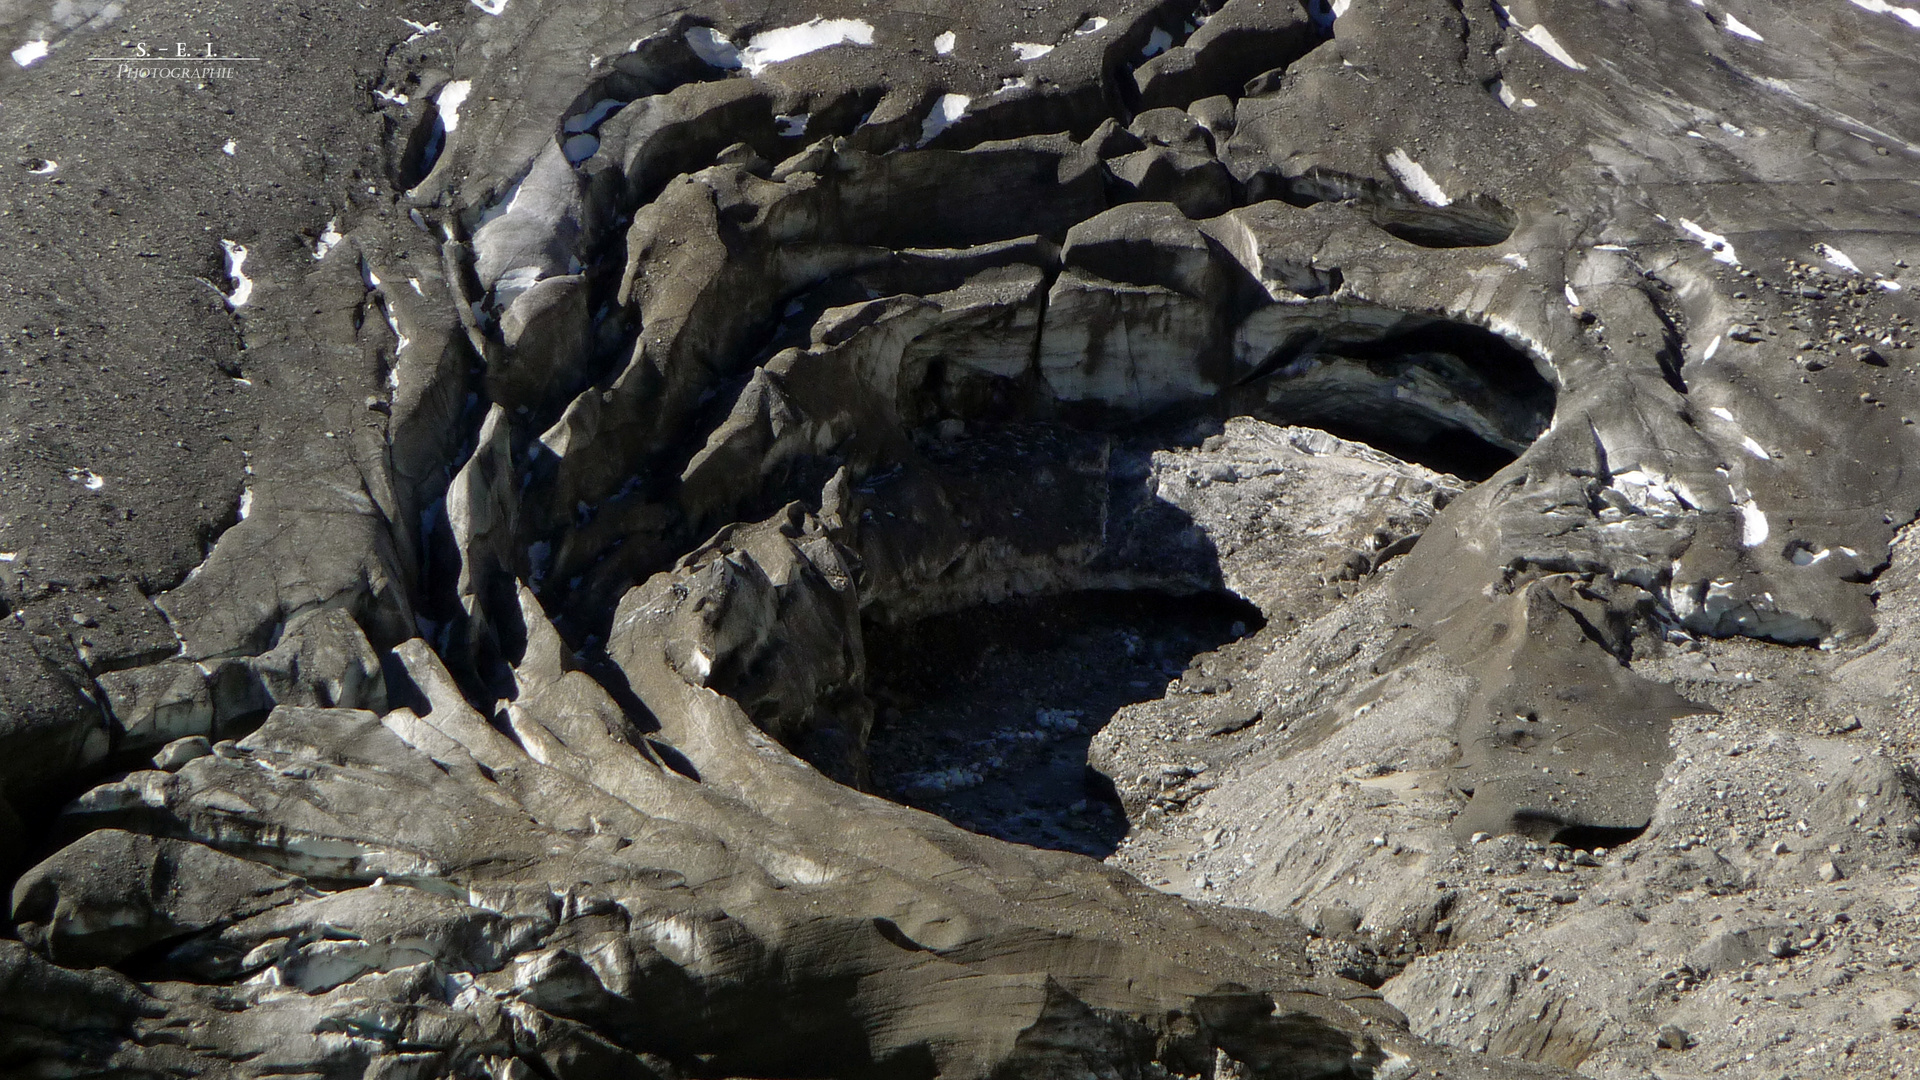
{"x":984,"y":716}
{"x":1592,"y":837}
{"x":1447,"y":450}
{"x":1452,"y":397}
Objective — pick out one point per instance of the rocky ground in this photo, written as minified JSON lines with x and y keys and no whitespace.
{"x":1248,"y":539}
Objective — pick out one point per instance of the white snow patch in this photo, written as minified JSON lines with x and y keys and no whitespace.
{"x":87,"y":478}
{"x":31,"y":53}
{"x":391,"y":97}
{"x":944,"y":44}
{"x":452,"y":96}
{"x":1514,"y":258}
{"x":420,"y":30}
{"x":514,"y":282}
{"x":590,"y":119}
{"x":1734,"y":130}
{"x":792,"y":124}
{"x":1753,"y":447}
{"x":1724,"y":414}
{"x":246,"y":502}
{"x":787,"y":42}
{"x":1888,"y":284}
{"x":1573,"y":298}
{"x":713,"y":49}
{"x":417,"y":290}
{"x":1849,"y":552}
{"x":8,"y":556}
{"x":400,"y":340}
{"x":1511,"y":100}
{"x":1014,"y":84}
{"x":1735,"y":26}
{"x":1753,"y":523}
{"x":1712,"y":347}
{"x":491,"y":7}
{"x":1324,"y":13}
{"x":242,"y":284}
{"x":45,"y":168}
{"x":579,"y":148}
{"x":1157,"y":42}
{"x":1910,"y":16}
{"x":1803,"y":557}
{"x":1713,"y":242}
{"x":328,"y":238}
{"x":229,"y":147}
{"x":1397,"y":1066}
{"x":1417,"y":179}
{"x":1027,"y":50}
{"x":1091,"y":26}
{"x":1609,"y":247}
{"x":1649,"y":492}
{"x":949,"y":108}
{"x":498,"y":208}
{"x":1836,"y":257}
{"x":1544,"y":39}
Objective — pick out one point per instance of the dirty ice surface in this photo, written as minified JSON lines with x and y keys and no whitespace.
{"x":1542,"y":39}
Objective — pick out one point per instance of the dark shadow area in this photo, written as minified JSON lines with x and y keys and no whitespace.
{"x":1547,"y":828}
{"x":1589,"y":837}
{"x":1451,"y":397}
{"x":1471,"y":220}
{"x":985,"y":714}
{"x":1447,"y":450}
